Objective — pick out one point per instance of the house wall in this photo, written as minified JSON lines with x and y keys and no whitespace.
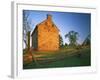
{"x":48,"y":38}
{"x":35,"y":40}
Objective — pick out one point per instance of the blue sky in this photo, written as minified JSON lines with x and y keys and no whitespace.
{"x":65,"y":21}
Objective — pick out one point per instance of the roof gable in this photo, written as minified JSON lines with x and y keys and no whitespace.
{"x":49,"y":24}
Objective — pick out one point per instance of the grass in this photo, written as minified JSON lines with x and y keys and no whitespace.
{"x":61,"y":58}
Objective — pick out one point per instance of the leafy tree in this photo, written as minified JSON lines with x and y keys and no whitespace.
{"x":60,"y":41}
{"x":73,"y":37}
{"x":87,"y":40}
{"x":66,"y":44}
{"x":26,"y":27}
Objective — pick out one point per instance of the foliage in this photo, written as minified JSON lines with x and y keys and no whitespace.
{"x":73,"y":37}
{"x":66,"y":44}
{"x":87,"y":41}
{"x":26,"y":27}
{"x":60,"y":41}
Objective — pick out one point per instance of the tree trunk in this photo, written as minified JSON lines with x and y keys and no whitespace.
{"x":28,"y":37}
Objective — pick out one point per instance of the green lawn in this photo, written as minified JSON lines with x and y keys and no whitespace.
{"x":61,"y":58}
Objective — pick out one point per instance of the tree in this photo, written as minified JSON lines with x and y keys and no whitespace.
{"x":66,"y":44}
{"x":60,"y":41}
{"x":73,"y":37}
{"x":26,"y":27}
{"x":87,"y":40}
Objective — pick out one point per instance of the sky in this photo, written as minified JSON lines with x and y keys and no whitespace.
{"x":65,"y":22}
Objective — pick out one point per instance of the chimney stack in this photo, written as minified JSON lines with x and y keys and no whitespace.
{"x":49,"y":17}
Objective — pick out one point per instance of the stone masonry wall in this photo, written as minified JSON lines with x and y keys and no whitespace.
{"x":48,"y":39}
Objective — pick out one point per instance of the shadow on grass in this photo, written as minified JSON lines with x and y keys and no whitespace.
{"x":65,"y":59}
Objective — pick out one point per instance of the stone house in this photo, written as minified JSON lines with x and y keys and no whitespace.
{"x":45,"y":36}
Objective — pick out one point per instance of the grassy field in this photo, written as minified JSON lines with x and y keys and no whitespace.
{"x":62,"y":58}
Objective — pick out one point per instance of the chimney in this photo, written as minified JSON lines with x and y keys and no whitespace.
{"x":49,"y":17}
